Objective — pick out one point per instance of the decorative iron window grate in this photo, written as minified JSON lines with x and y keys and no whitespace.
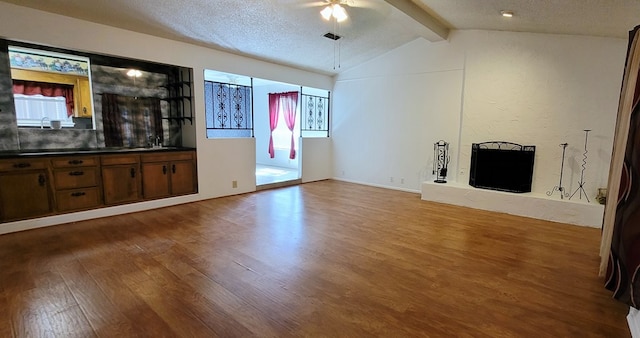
{"x":314,"y":116}
{"x":228,"y":109}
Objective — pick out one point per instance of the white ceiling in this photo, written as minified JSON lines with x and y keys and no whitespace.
{"x":290,"y":31}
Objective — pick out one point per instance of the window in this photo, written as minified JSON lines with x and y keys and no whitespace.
{"x":38,"y":110}
{"x":229,"y":109}
{"x":47,"y":86}
{"x":282,"y":134}
{"x":314,"y":115}
{"x":228,"y":105}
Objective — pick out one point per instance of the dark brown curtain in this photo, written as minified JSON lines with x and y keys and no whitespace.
{"x":131,"y":121}
{"x":111,"y":121}
{"x":46,"y":89}
{"x":623,"y":269}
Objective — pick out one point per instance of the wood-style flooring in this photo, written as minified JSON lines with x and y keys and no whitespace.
{"x":328,"y":259}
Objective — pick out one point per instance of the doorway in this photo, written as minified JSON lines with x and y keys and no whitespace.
{"x":277,"y":164}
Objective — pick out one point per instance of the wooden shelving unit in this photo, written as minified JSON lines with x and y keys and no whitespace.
{"x":180,"y":93}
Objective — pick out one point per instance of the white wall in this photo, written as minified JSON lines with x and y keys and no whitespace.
{"x":219,"y":161}
{"x":318,"y":165}
{"x":532,"y":89}
{"x":388,"y":113}
{"x":543,"y":90}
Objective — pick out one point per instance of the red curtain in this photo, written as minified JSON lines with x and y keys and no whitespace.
{"x":274,"y":109}
{"x":289,"y":102}
{"x":45,"y":89}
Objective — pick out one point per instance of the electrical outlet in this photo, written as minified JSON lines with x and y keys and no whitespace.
{"x":391,"y":179}
{"x":234,"y":184}
{"x":402,"y":180}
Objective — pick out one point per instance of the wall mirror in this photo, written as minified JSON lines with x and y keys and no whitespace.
{"x":51,"y":89}
{"x":53,"y":99}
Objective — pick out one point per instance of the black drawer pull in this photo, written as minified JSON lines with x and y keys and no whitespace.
{"x":164,"y":169}
{"x":76,"y":173}
{"x":133,"y":172}
{"x":41,"y":180}
{"x":78,"y":194}
{"x":76,"y":161}
{"x":173,"y":168}
{"x":22,"y":165}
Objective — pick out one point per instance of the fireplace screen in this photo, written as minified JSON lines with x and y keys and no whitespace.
{"x":502,"y":166}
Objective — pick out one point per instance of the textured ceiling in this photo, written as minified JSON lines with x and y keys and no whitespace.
{"x":606,"y":18}
{"x":290,"y":31}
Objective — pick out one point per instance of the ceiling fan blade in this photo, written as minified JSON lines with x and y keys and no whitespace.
{"x":303,"y":4}
{"x":373,"y":4}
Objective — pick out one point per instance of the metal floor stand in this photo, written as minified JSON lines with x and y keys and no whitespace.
{"x":584,"y":166}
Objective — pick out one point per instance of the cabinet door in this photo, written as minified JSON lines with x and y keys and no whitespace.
{"x":24,"y":194}
{"x":84,"y":110}
{"x":155,"y":180}
{"x":121,"y":183}
{"x":182,"y":175}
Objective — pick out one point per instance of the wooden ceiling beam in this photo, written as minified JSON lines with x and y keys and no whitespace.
{"x":421,"y":16}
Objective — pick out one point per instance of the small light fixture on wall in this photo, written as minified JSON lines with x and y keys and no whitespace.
{"x":134,"y":73}
{"x":506,"y":14}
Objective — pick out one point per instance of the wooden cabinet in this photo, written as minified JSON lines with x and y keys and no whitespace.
{"x":34,"y":186}
{"x":25,"y":189}
{"x":168,"y":174}
{"x":121,"y":178}
{"x":84,"y":100}
{"x":77,"y":182}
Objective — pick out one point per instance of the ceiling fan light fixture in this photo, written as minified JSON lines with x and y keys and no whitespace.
{"x":339,"y":13}
{"x":507,"y":14}
{"x":326,"y":12}
{"x":336,"y":11}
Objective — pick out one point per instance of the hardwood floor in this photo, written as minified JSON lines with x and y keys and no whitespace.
{"x":320,"y":259}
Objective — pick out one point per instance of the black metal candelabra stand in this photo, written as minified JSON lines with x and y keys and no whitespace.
{"x":559,"y":187}
{"x":584,"y":167}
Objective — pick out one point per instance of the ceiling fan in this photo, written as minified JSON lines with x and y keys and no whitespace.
{"x":337,"y":9}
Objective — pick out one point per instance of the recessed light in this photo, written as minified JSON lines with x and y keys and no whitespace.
{"x":507,"y":14}
{"x":134,"y":73}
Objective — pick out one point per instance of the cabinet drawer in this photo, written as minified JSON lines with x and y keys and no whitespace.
{"x":167,"y":156}
{"x":76,"y":161}
{"x":75,"y":177}
{"x":78,"y":199}
{"x":22,"y":164}
{"x":119,"y":159}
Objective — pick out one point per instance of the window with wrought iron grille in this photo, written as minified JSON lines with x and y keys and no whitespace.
{"x":314,"y":113}
{"x":228,"y":109}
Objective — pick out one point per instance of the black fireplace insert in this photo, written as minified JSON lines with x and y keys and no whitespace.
{"x":503,"y":166}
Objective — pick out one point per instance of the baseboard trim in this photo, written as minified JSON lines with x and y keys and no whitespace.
{"x":377,"y":185}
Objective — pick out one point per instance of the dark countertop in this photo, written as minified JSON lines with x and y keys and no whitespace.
{"x":89,"y":151}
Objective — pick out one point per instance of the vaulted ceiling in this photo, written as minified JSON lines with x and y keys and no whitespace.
{"x":290,"y":32}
